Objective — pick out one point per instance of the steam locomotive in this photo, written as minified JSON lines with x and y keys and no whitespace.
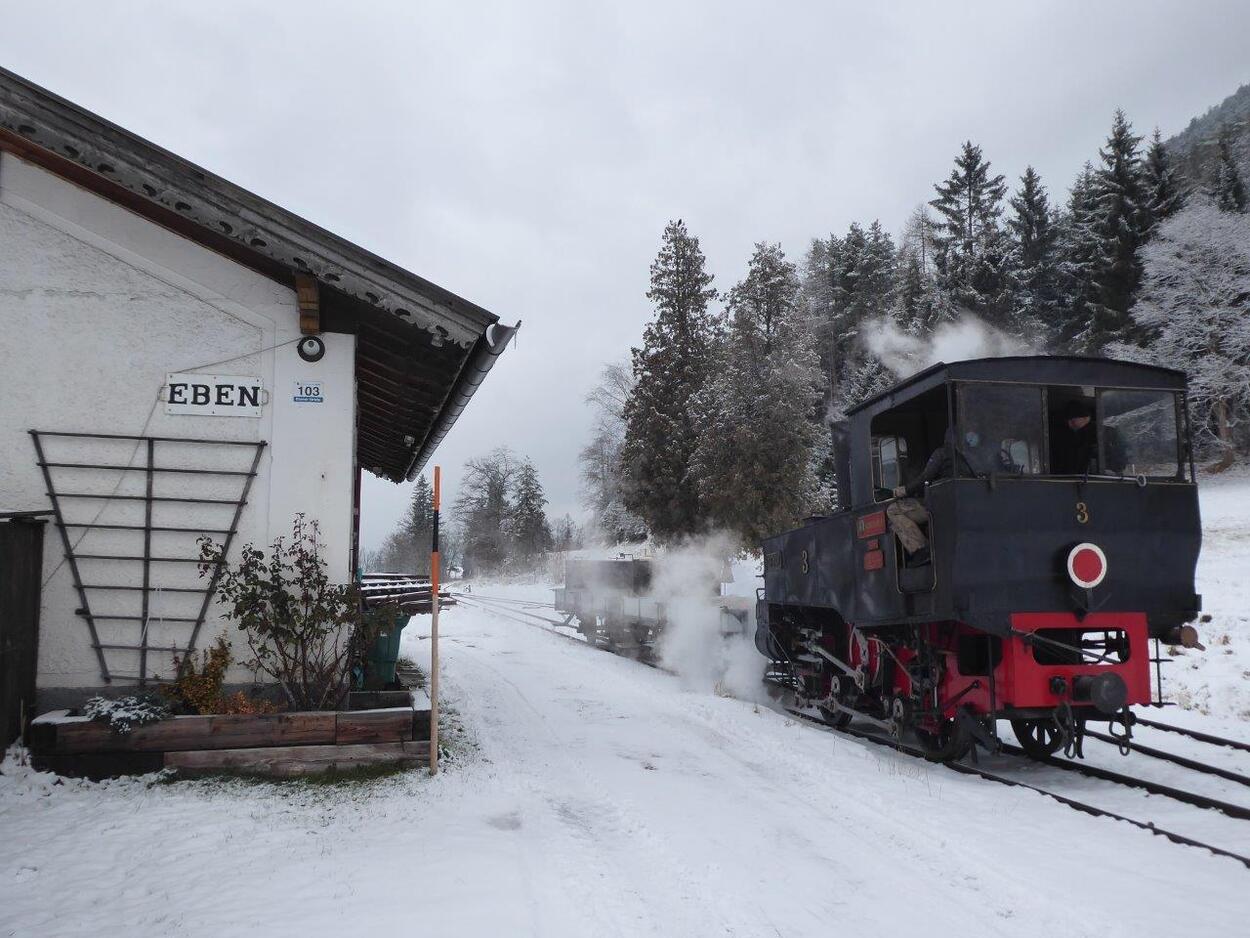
{"x":1041,"y":585}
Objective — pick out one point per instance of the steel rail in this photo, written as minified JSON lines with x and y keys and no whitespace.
{"x":1194,"y":734}
{"x":962,"y":769}
{"x":492,"y":604}
{"x":515,"y":615}
{"x":1132,"y":781}
{"x":1172,"y":757}
{"x":517,"y":602}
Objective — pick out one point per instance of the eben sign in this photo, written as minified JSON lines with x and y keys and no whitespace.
{"x":214,"y":395}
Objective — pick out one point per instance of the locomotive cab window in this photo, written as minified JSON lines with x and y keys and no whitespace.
{"x":889,"y":457}
{"x":903,"y":438}
{"x":999,"y":429}
{"x":1141,"y":434}
{"x":1116,"y":432}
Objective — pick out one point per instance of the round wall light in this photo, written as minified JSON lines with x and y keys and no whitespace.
{"x":311,"y":348}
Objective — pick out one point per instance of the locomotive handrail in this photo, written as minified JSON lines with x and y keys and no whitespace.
{"x":1032,"y":638}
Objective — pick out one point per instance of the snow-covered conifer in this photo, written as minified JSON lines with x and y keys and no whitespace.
{"x":418,"y":526}
{"x":1227,"y":188}
{"x":971,"y":247}
{"x":758,"y":451}
{"x":1034,"y":263}
{"x":671,"y":366}
{"x":527,"y":518}
{"x":1163,"y":195}
{"x":1118,"y":228}
{"x":1078,"y":252}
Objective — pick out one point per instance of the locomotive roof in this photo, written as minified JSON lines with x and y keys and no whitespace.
{"x":1030,"y":369}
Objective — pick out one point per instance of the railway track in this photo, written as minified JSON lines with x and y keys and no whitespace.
{"x":528,"y":603}
{"x":1183,"y":761}
{"x":1194,"y":734}
{"x":519,"y":611}
{"x":991,"y":775}
{"x":504,"y":606}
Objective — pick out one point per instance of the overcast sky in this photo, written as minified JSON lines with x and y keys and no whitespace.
{"x":527,"y":155}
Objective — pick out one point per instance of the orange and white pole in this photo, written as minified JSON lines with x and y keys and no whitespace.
{"x":434,"y":630}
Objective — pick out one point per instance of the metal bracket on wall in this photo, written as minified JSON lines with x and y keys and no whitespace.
{"x":55,"y":473}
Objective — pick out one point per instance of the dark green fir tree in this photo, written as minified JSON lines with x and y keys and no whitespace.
{"x":670,"y":368}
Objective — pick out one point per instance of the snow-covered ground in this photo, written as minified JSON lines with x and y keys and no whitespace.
{"x":586,"y":794}
{"x":1216,"y":683}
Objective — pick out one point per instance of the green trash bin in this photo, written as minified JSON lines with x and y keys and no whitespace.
{"x":385,"y":654}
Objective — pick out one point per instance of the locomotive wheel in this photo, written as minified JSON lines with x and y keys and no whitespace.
{"x":835,"y":718}
{"x":1038,"y":738}
{"x":946,"y":742}
{"x":900,"y":715}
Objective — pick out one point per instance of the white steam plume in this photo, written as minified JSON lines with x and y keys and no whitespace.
{"x":696,"y":643}
{"x":966,"y":337}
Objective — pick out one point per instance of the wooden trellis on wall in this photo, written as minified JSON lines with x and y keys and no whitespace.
{"x":104,"y":500}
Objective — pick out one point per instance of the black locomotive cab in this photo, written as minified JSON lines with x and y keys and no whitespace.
{"x":1011,"y":533}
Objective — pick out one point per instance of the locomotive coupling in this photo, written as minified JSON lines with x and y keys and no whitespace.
{"x":1107,"y":692}
{"x":1186,"y":636}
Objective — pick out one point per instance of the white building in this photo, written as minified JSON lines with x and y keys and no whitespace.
{"x":153,"y":314}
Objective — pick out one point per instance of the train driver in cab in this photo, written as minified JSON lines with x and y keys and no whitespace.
{"x":907,"y":513}
{"x":1074,"y":449}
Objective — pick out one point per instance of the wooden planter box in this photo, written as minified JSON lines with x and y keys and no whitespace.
{"x":281,"y":744}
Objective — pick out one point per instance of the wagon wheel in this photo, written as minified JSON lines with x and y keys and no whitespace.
{"x":944,"y":740}
{"x":1038,"y":738}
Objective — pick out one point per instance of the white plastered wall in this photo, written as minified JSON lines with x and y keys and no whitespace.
{"x":98,"y":305}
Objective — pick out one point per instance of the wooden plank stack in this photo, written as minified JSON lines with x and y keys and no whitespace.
{"x":412,"y":594}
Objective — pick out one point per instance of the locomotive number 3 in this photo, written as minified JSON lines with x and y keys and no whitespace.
{"x":1082,"y":513}
{"x":803,"y":564}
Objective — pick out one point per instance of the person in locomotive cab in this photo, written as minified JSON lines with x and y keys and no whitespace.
{"x":1074,"y":450}
{"x":907,"y":513}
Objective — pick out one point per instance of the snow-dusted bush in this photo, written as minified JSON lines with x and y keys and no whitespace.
{"x":303,"y":631}
{"x":198,"y":687}
{"x":125,"y":713}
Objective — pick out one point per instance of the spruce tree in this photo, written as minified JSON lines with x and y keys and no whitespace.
{"x":875,"y":284}
{"x":418,"y":527}
{"x":527,"y":518}
{"x":919,"y":305}
{"x":566,"y":534}
{"x":820,"y":272}
{"x":910,"y":289}
{"x":1119,"y":232}
{"x":1034,"y":262}
{"x":756,"y":461}
{"x":850,"y":284}
{"x":1163,"y":197}
{"x":1227,"y":189}
{"x":1079,"y":251}
{"x":670,"y":368}
{"x":971,"y":248}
